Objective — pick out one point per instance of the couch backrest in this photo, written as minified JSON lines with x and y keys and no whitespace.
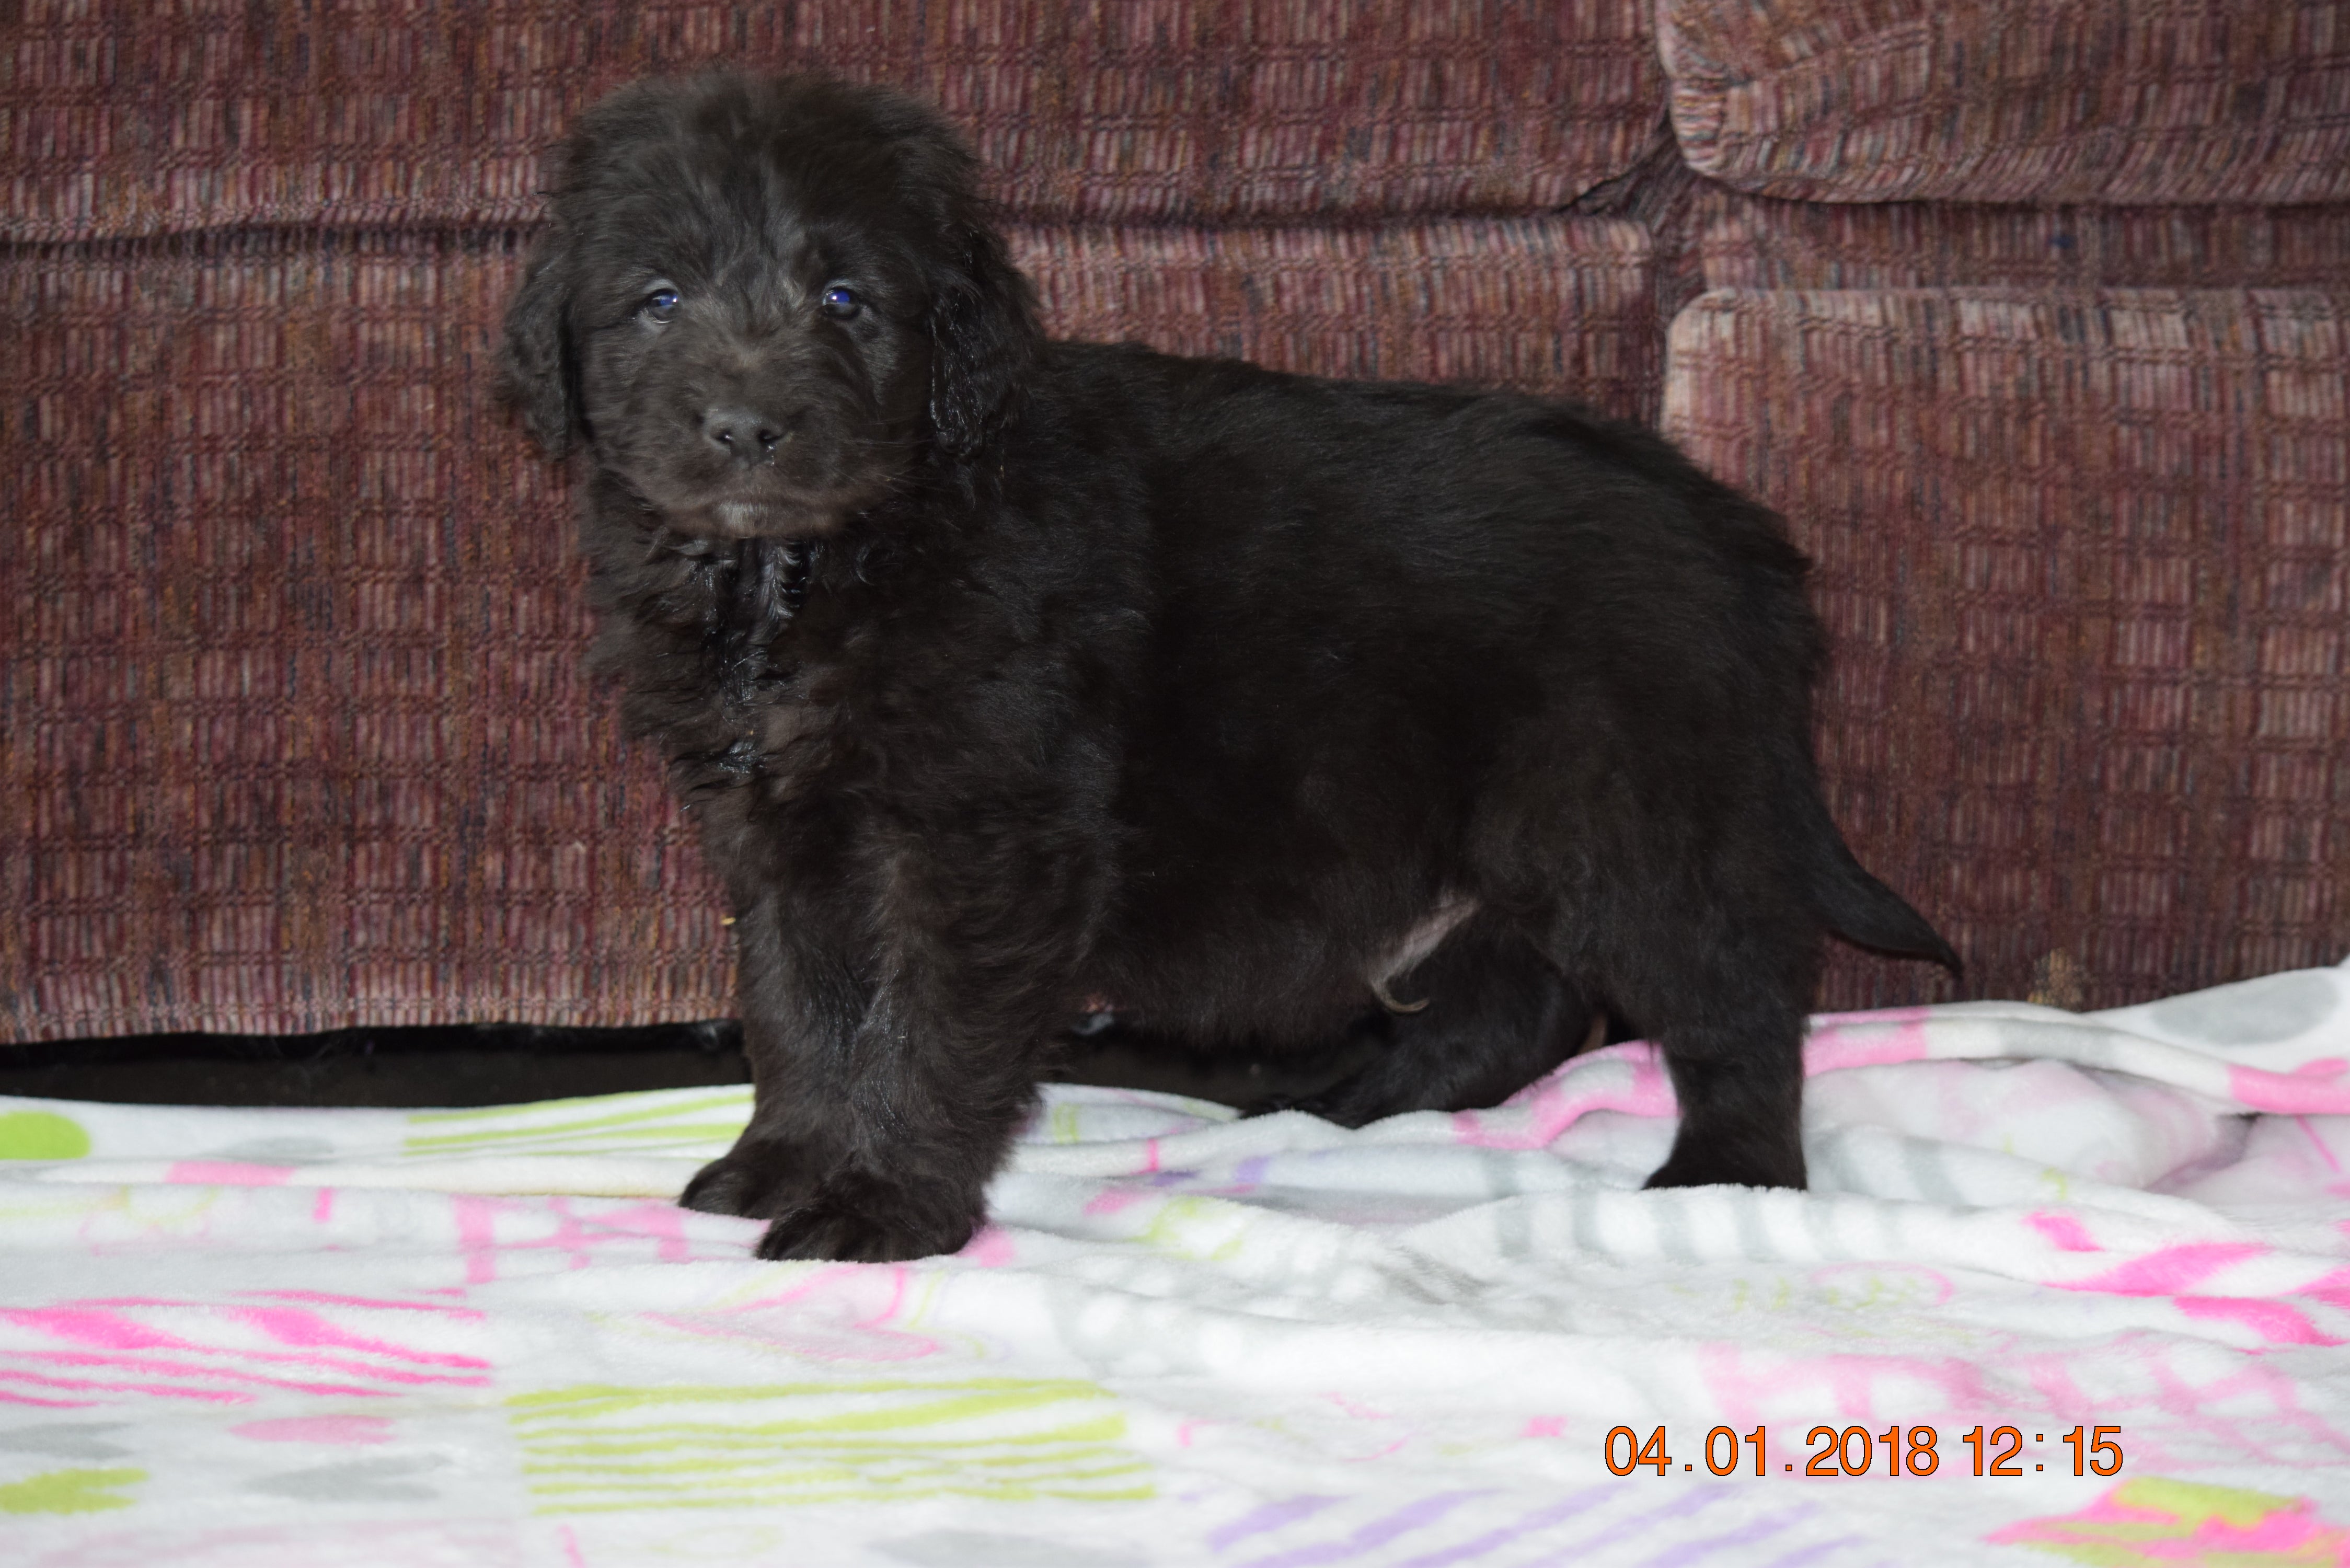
{"x":2015,"y":100}
{"x":128,"y":117}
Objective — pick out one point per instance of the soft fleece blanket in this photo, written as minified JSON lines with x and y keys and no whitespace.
{"x":308,"y":1338}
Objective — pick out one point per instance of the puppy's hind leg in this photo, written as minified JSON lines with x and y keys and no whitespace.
{"x":1724,"y":1002}
{"x":1489,"y":1014}
{"x":1742,"y":1104}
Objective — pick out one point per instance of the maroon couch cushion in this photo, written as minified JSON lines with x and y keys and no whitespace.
{"x":1756,"y":241}
{"x":297,"y":734}
{"x":2085,"y":558}
{"x":293,"y":733}
{"x":123,"y":117}
{"x":2015,"y":100}
{"x":1562,"y":307}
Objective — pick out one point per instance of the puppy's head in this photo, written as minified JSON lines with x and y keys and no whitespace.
{"x":759,"y":304}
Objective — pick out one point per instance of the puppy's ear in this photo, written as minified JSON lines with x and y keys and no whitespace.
{"x":983,"y":338}
{"x":537,"y":372}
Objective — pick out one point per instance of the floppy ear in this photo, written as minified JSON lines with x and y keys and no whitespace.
{"x":537,"y":373}
{"x":983,"y":338}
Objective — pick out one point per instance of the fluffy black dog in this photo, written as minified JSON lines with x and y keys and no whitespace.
{"x":1013,"y":679}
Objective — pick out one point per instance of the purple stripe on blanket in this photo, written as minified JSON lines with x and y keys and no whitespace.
{"x":1540,"y":1519}
{"x":1272,"y":1516}
{"x":1369,"y":1537}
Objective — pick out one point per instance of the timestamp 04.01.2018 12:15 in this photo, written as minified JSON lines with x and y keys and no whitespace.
{"x":1857,"y":1451}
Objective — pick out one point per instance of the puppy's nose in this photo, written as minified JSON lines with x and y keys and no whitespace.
{"x":744,"y":434}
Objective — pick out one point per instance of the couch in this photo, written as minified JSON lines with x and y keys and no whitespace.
{"x":2033,"y":318}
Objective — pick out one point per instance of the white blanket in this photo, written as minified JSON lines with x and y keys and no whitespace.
{"x":318,"y":1337}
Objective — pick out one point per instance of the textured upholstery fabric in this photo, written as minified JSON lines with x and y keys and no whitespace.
{"x":1564,"y":307}
{"x":298,"y":731}
{"x":297,"y":734}
{"x":132,"y":117}
{"x":2086,"y":559}
{"x":292,"y":729}
{"x":1754,"y":241}
{"x":2015,"y":100}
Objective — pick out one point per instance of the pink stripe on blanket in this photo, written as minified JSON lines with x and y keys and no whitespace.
{"x":311,"y":1331}
{"x":85,"y":1325}
{"x":1551,"y":1105}
{"x":2062,"y":1229}
{"x":226,"y":1173}
{"x":2163,"y":1522}
{"x":2170,"y":1271}
{"x":2272,"y":1320}
{"x":321,"y":1298}
{"x":306,"y":1429}
{"x":1539,"y":1113}
{"x":2313,"y":1089}
{"x":2334,"y":1289}
{"x":1866,"y":1040}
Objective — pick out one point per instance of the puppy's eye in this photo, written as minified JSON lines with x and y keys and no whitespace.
{"x":658,"y":306}
{"x":840,"y":302}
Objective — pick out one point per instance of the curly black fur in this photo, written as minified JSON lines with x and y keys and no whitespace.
{"x":1008,"y":676}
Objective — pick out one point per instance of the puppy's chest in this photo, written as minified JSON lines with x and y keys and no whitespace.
{"x":775,"y":715}
{"x":841,"y":696}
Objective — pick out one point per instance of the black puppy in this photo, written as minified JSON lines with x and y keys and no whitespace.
{"x":1011,"y":678}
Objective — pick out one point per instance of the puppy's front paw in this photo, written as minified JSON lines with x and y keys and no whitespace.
{"x":858,"y":1220}
{"x":759,"y":1182}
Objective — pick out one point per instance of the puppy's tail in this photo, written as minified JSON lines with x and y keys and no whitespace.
{"x":1864,"y":911}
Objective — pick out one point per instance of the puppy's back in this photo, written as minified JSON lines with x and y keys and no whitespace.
{"x":1441,"y":532}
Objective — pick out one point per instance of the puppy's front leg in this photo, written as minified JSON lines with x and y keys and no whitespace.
{"x":800,"y":1002}
{"x":883,"y":1104}
{"x":934,"y":1108}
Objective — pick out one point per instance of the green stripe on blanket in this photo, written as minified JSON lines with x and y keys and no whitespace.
{"x":597,"y":1446}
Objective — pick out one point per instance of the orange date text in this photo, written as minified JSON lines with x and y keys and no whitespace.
{"x":1897,"y":1450}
